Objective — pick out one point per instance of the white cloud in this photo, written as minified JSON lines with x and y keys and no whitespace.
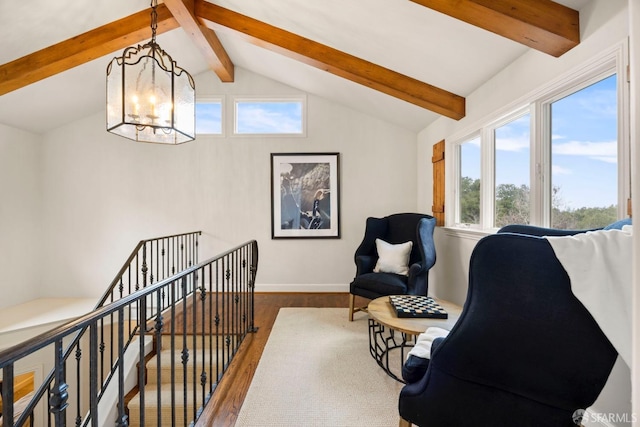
{"x":474,"y":141}
{"x":260,"y":119}
{"x":513,"y":144}
{"x":599,"y":103}
{"x":559,"y":170}
{"x":603,"y":151}
{"x":606,"y":159}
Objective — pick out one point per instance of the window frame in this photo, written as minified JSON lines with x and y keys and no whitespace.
{"x":490,"y":161}
{"x":537,"y":105}
{"x":275,"y":99}
{"x":457,"y":176}
{"x":544,"y":190}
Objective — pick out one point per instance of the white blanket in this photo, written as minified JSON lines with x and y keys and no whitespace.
{"x":423,"y":342}
{"x":599,"y":266}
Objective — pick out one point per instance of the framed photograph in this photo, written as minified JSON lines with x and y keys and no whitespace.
{"x":305,"y":195}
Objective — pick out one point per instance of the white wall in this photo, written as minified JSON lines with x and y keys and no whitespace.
{"x":604,"y":23}
{"x":20,"y":232}
{"x":103,"y":193}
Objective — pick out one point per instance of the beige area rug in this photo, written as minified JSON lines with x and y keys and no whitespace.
{"x":316,"y":370}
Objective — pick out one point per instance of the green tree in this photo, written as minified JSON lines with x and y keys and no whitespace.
{"x":469,"y":200}
{"x":583,"y":218}
{"x":512,"y":204}
{"x":513,"y":207}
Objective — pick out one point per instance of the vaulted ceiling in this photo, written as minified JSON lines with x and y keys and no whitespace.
{"x":407,"y":61}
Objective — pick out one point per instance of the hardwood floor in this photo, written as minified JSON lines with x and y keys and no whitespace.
{"x":224,"y":408}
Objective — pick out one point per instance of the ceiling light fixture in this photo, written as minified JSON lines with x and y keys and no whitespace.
{"x":150,"y":98}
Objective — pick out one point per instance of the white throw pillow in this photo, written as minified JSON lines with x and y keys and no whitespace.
{"x":393,"y":258}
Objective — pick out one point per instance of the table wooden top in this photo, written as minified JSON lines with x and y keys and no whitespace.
{"x":381,"y":310}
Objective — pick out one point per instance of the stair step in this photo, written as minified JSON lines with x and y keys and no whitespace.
{"x":198,"y":361}
{"x":194,"y":359}
{"x":151,"y":405}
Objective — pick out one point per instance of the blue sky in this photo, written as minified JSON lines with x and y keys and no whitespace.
{"x":584,"y":148}
{"x":254,"y":117}
{"x":209,"y":117}
{"x":269,"y":117}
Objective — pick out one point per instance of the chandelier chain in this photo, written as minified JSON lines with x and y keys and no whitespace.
{"x":154,"y":20}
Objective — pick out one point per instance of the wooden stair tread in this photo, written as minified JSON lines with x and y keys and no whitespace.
{"x":197,"y":360}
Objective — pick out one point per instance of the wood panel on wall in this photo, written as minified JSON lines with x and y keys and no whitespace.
{"x":438,"y":182}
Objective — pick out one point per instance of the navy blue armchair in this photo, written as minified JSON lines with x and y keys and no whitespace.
{"x":394,"y":229}
{"x":524,"y":352}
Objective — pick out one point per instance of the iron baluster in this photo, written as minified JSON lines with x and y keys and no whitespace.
{"x":78,"y":386}
{"x":173,"y":353}
{"x":7,"y":393}
{"x":144,"y":265}
{"x":59,"y":395}
{"x":142,"y":380}
{"x":185,"y":350}
{"x":173,"y":257}
{"x":159,"y":326}
{"x":151,"y":266}
{"x":102,"y":349}
{"x":182,"y":254}
{"x":123,"y":419}
{"x":137,"y":275}
{"x":93,"y":377}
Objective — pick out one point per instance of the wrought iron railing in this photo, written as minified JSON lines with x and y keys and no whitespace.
{"x":151,"y":261}
{"x":201,"y":314}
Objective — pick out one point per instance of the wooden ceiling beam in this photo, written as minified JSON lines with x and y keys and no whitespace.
{"x":331,"y":60}
{"x":83,"y":48}
{"x":203,"y":37}
{"x":543,"y":25}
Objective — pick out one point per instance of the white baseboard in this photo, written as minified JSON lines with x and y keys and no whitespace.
{"x":325,"y":287}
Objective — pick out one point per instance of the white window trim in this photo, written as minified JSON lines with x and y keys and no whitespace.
{"x":488,"y":182}
{"x":614,"y":60}
{"x":613,"y":64}
{"x":452,"y":198}
{"x":221,"y":100}
{"x":284,"y":98}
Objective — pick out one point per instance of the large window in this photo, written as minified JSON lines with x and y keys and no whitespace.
{"x":584,"y":157}
{"x":559,"y":161}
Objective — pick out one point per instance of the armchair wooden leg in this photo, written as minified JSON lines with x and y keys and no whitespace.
{"x":352,"y":300}
{"x":404,"y":423}
{"x":353,"y":308}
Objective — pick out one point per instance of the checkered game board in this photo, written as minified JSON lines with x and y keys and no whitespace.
{"x":417,"y":306}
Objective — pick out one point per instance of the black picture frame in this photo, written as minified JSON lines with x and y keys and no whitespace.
{"x":305,"y":195}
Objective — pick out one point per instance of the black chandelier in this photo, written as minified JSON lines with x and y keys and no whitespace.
{"x":150,"y":98}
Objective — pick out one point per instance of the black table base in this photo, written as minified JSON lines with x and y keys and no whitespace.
{"x":384,"y":340}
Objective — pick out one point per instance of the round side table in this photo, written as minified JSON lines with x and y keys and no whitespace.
{"x":388,"y":332}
